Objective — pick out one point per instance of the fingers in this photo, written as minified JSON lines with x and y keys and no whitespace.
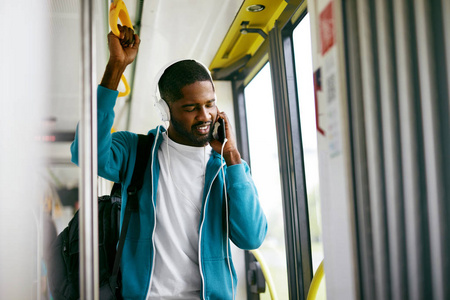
{"x":222,"y":115}
{"x":127,"y":36}
{"x":228,"y":129}
{"x":123,"y":48}
{"x":137,"y":41}
{"x":229,"y":149}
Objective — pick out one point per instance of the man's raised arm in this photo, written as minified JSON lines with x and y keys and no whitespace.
{"x":111,"y":158}
{"x":122,"y":52}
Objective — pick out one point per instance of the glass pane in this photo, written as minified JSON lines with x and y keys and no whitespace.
{"x":266,"y":174}
{"x":303,"y":65}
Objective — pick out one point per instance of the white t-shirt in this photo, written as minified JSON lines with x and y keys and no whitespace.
{"x":176,"y":273}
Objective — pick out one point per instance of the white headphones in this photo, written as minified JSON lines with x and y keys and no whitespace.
{"x":163,"y":108}
{"x":161,"y":104}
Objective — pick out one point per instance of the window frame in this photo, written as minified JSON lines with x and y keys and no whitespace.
{"x":278,"y":50}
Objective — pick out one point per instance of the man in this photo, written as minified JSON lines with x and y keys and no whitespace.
{"x":177,"y":247}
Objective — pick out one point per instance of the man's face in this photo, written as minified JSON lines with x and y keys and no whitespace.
{"x":192,"y":117}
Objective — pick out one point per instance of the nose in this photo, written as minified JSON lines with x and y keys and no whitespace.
{"x":203,"y":114}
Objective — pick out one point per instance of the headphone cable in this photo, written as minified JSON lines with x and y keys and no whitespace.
{"x":226,"y":214}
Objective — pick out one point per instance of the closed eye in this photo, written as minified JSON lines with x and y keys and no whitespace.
{"x":193,"y":107}
{"x":189,"y":107}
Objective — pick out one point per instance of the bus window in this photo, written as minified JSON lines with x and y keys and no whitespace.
{"x":265,"y":171}
{"x":305,"y":86}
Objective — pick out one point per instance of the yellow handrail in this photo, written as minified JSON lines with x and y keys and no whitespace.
{"x":118,"y":10}
{"x":266,"y":272}
{"x":315,"y":283}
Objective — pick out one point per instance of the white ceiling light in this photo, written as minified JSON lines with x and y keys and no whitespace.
{"x":256,"y":8}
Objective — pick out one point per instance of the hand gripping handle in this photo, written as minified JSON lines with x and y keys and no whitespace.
{"x":117,"y":11}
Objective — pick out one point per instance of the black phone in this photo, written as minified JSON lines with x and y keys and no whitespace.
{"x":219,"y":130}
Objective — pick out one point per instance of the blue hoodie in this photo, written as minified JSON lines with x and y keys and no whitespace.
{"x":247,"y":222}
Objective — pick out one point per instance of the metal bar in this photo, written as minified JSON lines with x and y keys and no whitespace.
{"x":227,"y":72}
{"x":300,"y":200}
{"x":241,"y":120}
{"x":446,"y":25}
{"x":391,"y":146}
{"x":434,"y":105}
{"x":374,"y":143}
{"x":359,"y":154}
{"x":412,"y":156}
{"x":444,"y":12}
{"x":297,"y":237}
{"x":89,"y":272}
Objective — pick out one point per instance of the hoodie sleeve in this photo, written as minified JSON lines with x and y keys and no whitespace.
{"x":113,"y":149}
{"x":248,"y":224}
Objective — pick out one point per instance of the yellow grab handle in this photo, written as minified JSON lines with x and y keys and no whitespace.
{"x":127,"y":87}
{"x":266,"y":273}
{"x":118,"y":10}
{"x":315,"y":283}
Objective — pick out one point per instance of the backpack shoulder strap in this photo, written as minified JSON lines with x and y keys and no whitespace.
{"x":144,"y":145}
{"x":143,"y":150}
{"x":143,"y":154}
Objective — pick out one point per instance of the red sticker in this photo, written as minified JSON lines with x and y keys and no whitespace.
{"x":326,"y":27}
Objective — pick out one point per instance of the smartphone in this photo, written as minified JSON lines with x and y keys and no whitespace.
{"x":219,"y":130}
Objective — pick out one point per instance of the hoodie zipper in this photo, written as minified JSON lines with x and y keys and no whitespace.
{"x":200,"y":235}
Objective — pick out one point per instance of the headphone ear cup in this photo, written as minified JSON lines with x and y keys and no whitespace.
{"x":163,"y":109}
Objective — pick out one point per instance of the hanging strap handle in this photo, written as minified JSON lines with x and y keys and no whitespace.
{"x":117,"y":11}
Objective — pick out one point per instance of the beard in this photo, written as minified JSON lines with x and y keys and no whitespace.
{"x":190,"y":135}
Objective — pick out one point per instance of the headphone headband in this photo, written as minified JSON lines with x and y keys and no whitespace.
{"x":160,"y":103}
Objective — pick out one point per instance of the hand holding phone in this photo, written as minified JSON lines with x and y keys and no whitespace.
{"x":219,"y":130}
{"x":223,"y":141}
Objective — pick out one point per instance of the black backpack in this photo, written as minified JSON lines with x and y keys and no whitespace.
{"x":62,"y":257}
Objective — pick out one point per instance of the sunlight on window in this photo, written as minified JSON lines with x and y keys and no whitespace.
{"x":304,"y":73}
{"x":266,"y":174}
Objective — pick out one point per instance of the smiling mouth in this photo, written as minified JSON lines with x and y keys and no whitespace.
{"x":202,"y":129}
